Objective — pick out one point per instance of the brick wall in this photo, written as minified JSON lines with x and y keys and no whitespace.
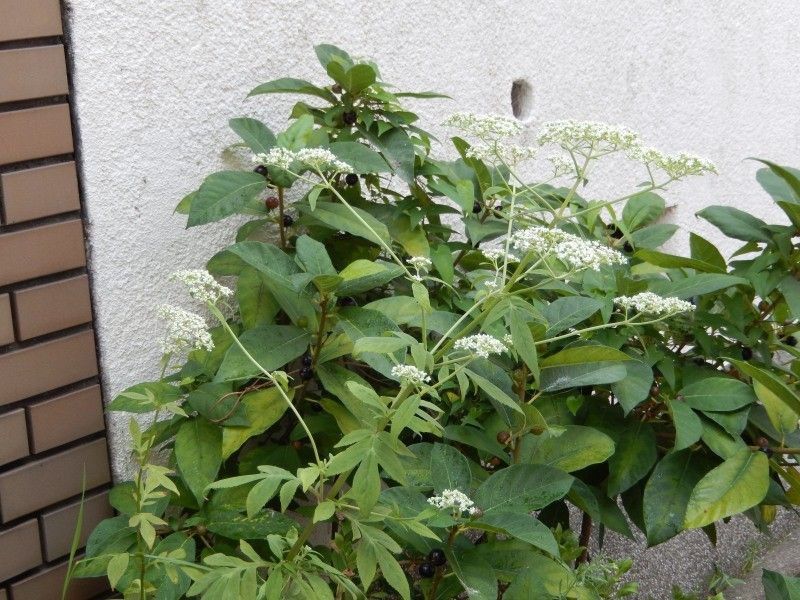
{"x":51,"y":411}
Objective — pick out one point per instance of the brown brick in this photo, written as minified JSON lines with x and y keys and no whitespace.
{"x":3,"y":595}
{"x":38,"y":484}
{"x":41,"y":251}
{"x":58,"y":526}
{"x":47,"y":366}
{"x":40,"y":192}
{"x":24,"y":19}
{"x":65,"y":418}
{"x":46,"y":585}
{"x":52,"y":306}
{"x":19,"y":549}
{"x":32,"y":73}
{"x":35,"y":133}
{"x":13,"y":436}
{"x":6,"y":323}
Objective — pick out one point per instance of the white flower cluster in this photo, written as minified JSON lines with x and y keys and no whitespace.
{"x":185,"y":331}
{"x":496,"y":254}
{"x":481,"y":345}
{"x":421,"y":263}
{"x":201,"y":285}
{"x":498,"y":152}
{"x":573,"y":251}
{"x":484,"y":127}
{"x":648,"y":302}
{"x":320,"y":159}
{"x":676,"y":166}
{"x":579,"y":135}
{"x":410,"y":374}
{"x":454,"y":499}
{"x":562,"y":165}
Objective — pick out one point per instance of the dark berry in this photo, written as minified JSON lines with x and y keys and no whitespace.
{"x":426,"y":570}
{"x":615,"y":232}
{"x":437,"y":557}
{"x":628,"y":247}
{"x":307,"y":359}
{"x":336,"y":88}
{"x":351,"y":179}
{"x":347,"y":301}
{"x":349,"y":117}
{"x":288,"y":220}
{"x":306,"y":373}
{"x":790,"y":340}
{"x":699,"y":361}
{"x":297,"y":444}
{"x":476,"y":207}
{"x":503,"y":437}
{"x":747,"y":353}
{"x":496,"y":461}
{"x":654,"y":389}
{"x":261,"y":170}
{"x":272,"y":202}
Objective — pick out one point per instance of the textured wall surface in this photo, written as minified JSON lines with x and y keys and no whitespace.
{"x":156,"y":83}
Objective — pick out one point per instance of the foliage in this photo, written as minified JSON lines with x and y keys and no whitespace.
{"x":393,"y":409}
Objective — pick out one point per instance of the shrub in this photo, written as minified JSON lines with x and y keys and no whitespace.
{"x":403,"y":394}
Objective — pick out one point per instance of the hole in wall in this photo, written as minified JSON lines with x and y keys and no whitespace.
{"x":521,"y":99}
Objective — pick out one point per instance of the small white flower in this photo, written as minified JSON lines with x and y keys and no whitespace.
{"x":648,"y":302}
{"x":581,"y":135}
{"x":481,"y":345}
{"x":454,"y":499}
{"x":570,"y":249}
{"x":322,"y":159}
{"x":410,"y":374}
{"x":497,"y":254}
{"x":484,"y":127}
{"x":201,"y":285}
{"x":562,"y":165}
{"x":677,"y":166}
{"x":185,"y":331}
{"x":507,"y":340}
{"x":498,"y":152}
{"x":420,"y":263}
{"x":276,"y":157}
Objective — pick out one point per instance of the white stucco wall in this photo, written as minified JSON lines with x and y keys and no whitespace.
{"x":156,"y":82}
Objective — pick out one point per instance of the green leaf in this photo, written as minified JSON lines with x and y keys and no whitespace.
{"x":780,"y":587}
{"x":393,"y":572}
{"x":582,"y":365}
{"x":258,"y":137}
{"x":359,"y":156}
{"x":635,"y":387}
{"x":314,"y":256}
{"x":494,"y":392}
{"x":670,"y":261}
{"x":289,"y":85}
{"x":272,"y":346}
{"x":739,"y":483}
{"x":449,"y":469}
{"x":771,"y":382}
{"x":257,"y":306}
{"x":633,"y":458}
{"x":224,"y":194}
{"x":719,"y":394}
{"x":703,"y":250}
{"x":366,"y":482}
{"x":398,"y":150}
{"x":642,"y":209}
{"x":262,"y":408}
{"x":522,"y":488}
{"x":783,"y":418}
{"x":522,"y":526}
{"x":696,"y":285}
{"x":571,"y":449}
{"x":736,"y":223}
{"x":782,"y":183}
{"x":145,"y":397}
{"x":116,"y":568}
{"x":688,"y":426}
{"x":340,"y":217}
{"x":653,"y":236}
{"x":236,"y":526}
{"x":524,"y":344}
{"x":363,"y":275}
{"x":217,"y":403}
{"x":563,"y":313}
{"x":328,"y":53}
{"x":358,"y":78}
{"x":198,"y":452}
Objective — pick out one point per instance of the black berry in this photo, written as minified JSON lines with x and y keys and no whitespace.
{"x":790,"y":340}
{"x":476,"y":207}
{"x":351,"y":179}
{"x":349,"y":117}
{"x":347,"y":301}
{"x":261,"y":170}
{"x":747,"y":353}
{"x":336,"y":88}
{"x":272,"y":202}
{"x":699,"y":361}
{"x":306,"y":373}
{"x":426,"y":570}
{"x":307,"y":359}
{"x":628,"y":247}
{"x":437,"y":557}
{"x":288,"y":220}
